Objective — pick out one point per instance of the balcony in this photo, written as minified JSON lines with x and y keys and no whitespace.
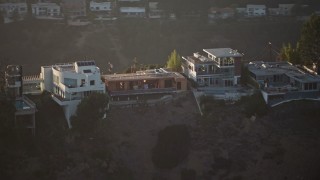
{"x":63,"y":101}
{"x":143,"y":91}
{"x":71,"y":89}
{"x":13,"y":84}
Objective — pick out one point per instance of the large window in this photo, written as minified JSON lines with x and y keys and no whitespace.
{"x":310,"y":86}
{"x":71,"y":83}
{"x":228,"y":61}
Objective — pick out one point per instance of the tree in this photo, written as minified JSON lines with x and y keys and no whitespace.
{"x":90,"y":111}
{"x":288,"y":53}
{"x":174,"y":61}
{"x":309,"y":43}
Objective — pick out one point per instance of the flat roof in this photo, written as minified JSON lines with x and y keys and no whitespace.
{"x":260,"y":68}
{"x":223,"y":52}
{"x":132,"y":9}
{"x":141,"y":75}
{"x":200,"y":60}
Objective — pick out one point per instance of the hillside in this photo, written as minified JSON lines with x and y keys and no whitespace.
{"x":225,"y":144}
{"x":33,"y":43}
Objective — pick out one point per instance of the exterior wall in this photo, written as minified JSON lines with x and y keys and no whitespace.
{"x":183,"y":82}
{"x":190,"y":70}
{"x":70,"y":110}
{"x":45,"y":9}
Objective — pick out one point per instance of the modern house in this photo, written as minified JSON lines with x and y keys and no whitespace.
{"x":101,"y":8}
{"x":254,"y":10}
{"x":132,"y":11}
{"x":154,"y":81}
{"x":9,"y":9}
{"x":74,"y":8}
{"x":221,"y":67}
{"x":46,"y":10}
{"x":24,"y":117}
{"x":281,"y":82}
{"x":71,"y":82}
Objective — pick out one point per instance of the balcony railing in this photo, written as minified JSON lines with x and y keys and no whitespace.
{"x":142,"y":91}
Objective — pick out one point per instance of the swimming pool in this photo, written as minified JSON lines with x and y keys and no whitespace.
{"x":20,"y":105}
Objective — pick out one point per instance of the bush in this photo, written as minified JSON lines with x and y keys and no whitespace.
{"x":172,"y":147}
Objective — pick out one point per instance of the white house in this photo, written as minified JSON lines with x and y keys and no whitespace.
{"x":256,"y":10}
{"x":221,"y":67}
{"x":46,"y":10}
{"x":8,"y":9}
{"x":133,"y":11}
{"x":71,"y":82}
{"x":105,"y":7}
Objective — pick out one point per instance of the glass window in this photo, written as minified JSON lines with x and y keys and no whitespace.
{"x":70,"y":82}
{"x":91,"y":82}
